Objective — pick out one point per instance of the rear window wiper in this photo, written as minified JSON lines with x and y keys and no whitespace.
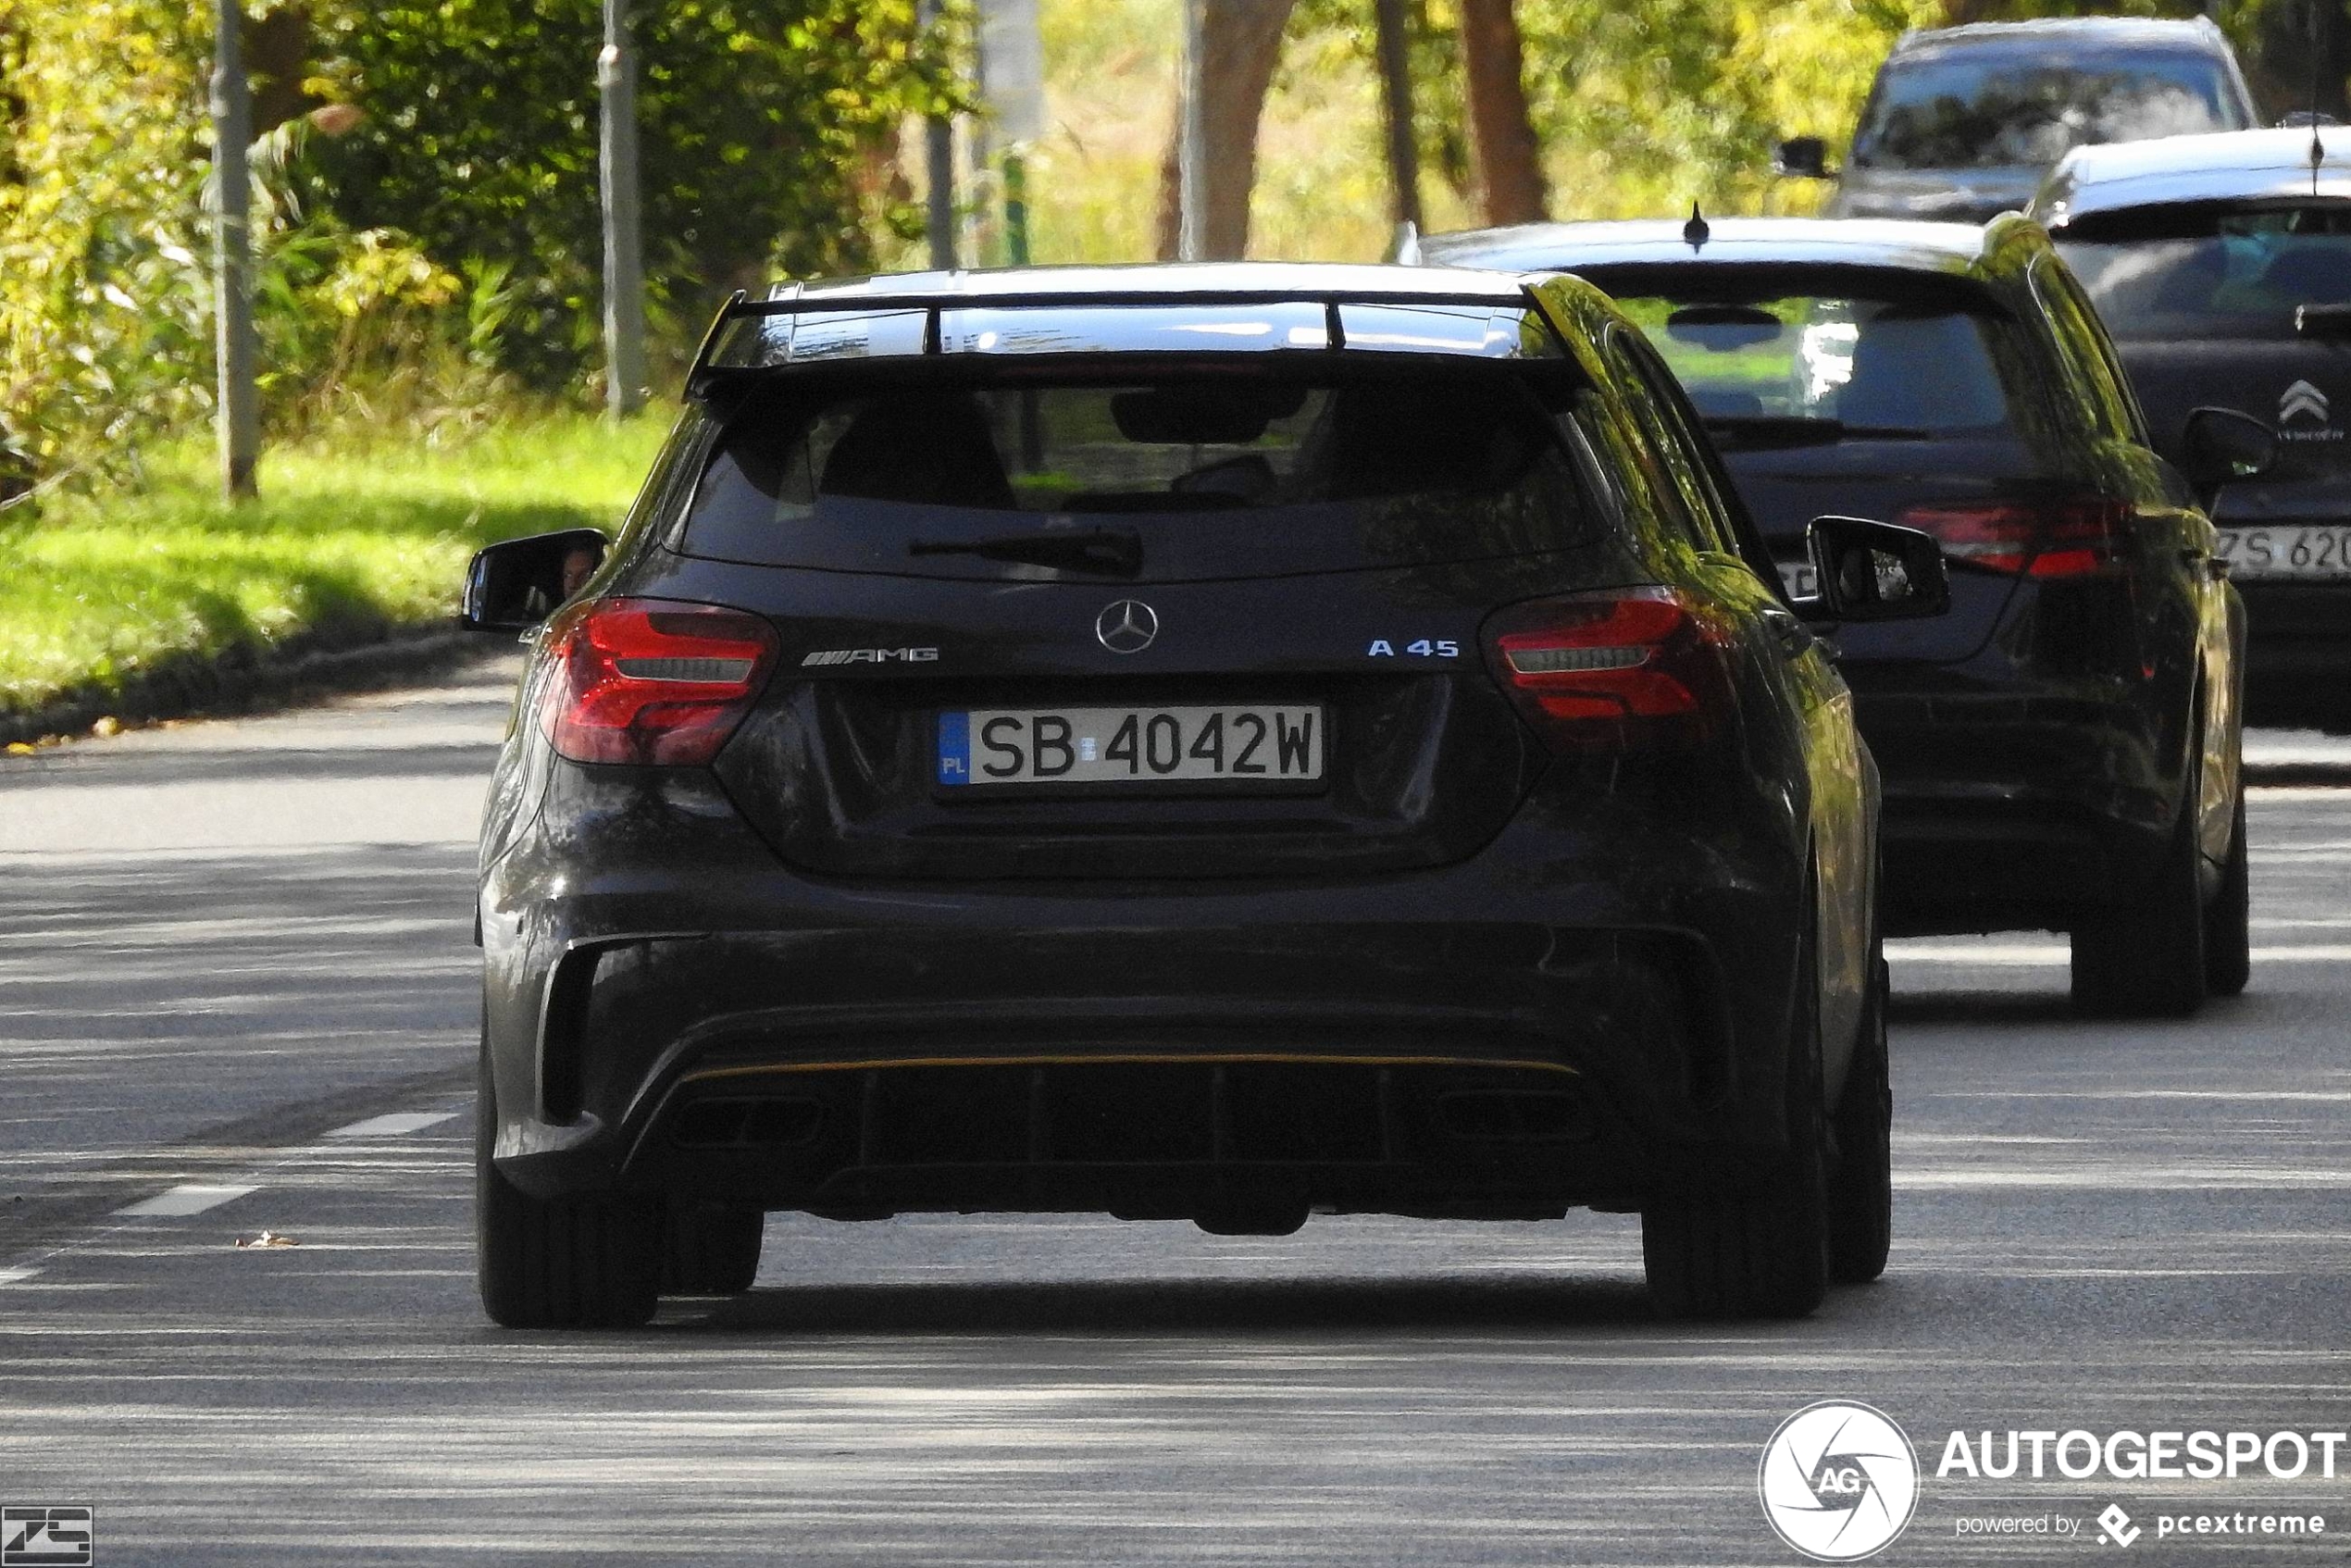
{"x":1097,"y":550}
{"x":1795,"y":430}
{"x":2322,"y":321}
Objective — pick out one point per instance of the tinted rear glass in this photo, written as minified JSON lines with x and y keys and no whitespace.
{"x":1860,"y":368}
{"x":1194,"y":476}
{"x":2209,"y":270}
{"x":1980,"y":108}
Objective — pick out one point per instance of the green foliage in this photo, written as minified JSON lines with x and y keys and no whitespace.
{"x":759,"y":119}
{"x":1643,"y":106}
{"x":351,"y":537}
{"x":449,"y":243}
{"x":102,"y":328}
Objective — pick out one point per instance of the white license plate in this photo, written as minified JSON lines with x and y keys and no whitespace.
{"x":1800,"y":578}
{"x":1137,"y":745}
{"x":2301,"y":549}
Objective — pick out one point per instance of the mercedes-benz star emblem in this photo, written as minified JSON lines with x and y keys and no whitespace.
{"x":1127,"y":626}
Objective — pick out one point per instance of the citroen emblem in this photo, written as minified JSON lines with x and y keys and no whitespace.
{"x":1127,"y":626}
{"x":2302,"y":398}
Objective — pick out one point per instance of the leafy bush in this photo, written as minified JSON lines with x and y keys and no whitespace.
{"x":104,"y":328}
{"x":446,"y":249}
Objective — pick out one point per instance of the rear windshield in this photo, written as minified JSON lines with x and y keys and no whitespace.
{"x":2208,"y":270}
{"x":1203,"y":475}
{"x":1982,"y":108}
{"x":1811,"y":367}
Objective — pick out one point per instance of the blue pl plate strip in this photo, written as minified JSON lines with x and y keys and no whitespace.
{"x":955,"y":748}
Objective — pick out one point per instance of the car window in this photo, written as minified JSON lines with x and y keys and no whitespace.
{"x":2088,"y":366}
{"x":1978,"y":109}
{"x":2212,"y":269}
{"x":1855,"y":366}
{"x":1255,"y":472}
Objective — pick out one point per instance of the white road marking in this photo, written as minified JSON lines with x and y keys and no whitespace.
{"x":2058,"y":953}
{"x":394,"y":1124}
{"x":187,"y":1199}
{"x":17,"y":1275}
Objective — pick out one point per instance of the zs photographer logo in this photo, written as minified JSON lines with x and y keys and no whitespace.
{"x":1838,"y":1481}
{"x":32,"y":1535}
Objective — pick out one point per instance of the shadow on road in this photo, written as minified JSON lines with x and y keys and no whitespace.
{"x":1213,"y":1305}
{"x":1982,"y":1007}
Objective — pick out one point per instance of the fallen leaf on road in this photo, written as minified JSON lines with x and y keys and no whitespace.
{"x":106,"y":727}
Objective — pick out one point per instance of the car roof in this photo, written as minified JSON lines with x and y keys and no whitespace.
{"x":2062,"y":35}
{"x":1192,"y":308}
{"x":2222,"y":166}
{"x":1950,"y":248}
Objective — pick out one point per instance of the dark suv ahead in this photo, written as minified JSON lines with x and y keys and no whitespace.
{"x":2222,"y":267}
{"x":2061,"y":750}
{"x":1198,"y":743}
{"x":1963,"y":122}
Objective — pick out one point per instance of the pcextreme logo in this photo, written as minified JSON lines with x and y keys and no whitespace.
{"x":1838,"y":1481}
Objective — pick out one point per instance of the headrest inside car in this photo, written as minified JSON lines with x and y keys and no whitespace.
{"x":1203,"y":415}
{"x":1723,"y":329}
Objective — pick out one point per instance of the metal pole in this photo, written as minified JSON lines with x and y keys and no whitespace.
{"x":624,"y":236}
{"x":238,"y":416}
{"x":1395,"y":85}
{"x":938,"y":141}
{"x":1191,"y":147}
{"x":1016,"y":207}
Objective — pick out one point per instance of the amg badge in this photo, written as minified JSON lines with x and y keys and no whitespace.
{"x":872,"y":656}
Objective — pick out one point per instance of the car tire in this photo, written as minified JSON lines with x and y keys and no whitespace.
{"x":1761,"y":1253}
{"x":1862,"y":1185}
{"x":2227,"y":924}
{"x":2148,"y":961}
{"x":569,"y":1262}
{"x":711,"y":1252}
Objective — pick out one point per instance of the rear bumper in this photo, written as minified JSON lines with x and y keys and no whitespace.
{"x":2011,"y":811}
{"x":1522,"y":1032}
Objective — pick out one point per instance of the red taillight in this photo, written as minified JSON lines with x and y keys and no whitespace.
{"x":645,"y":680}
{"x":2039,"y":539}
{"x":1611,"y":669}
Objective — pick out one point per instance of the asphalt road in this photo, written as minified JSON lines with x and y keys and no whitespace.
{"x":236,"y":995}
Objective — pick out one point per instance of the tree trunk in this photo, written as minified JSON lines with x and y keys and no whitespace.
{"x":1240,"y":44}
{"x":1509,"y":162}
{"x":1395,"y":92}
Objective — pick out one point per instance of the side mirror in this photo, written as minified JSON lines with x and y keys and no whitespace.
{"x":514,"y":585}
{"x":2222,"y":444}
{"x":1874,"y":571}
{"x":1803,"y":158}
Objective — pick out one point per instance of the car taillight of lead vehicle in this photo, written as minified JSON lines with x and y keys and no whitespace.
{"x":2051,"y":538}
{"x":1615,"y":670}
{"x":651,"y":681}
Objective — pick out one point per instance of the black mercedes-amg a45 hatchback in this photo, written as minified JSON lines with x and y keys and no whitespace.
{"x":1215,"y":744}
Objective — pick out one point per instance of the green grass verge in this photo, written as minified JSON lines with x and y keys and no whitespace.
{"x":352,"y":538}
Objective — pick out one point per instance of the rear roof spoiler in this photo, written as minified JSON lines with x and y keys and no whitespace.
{"x":934,"y":304}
